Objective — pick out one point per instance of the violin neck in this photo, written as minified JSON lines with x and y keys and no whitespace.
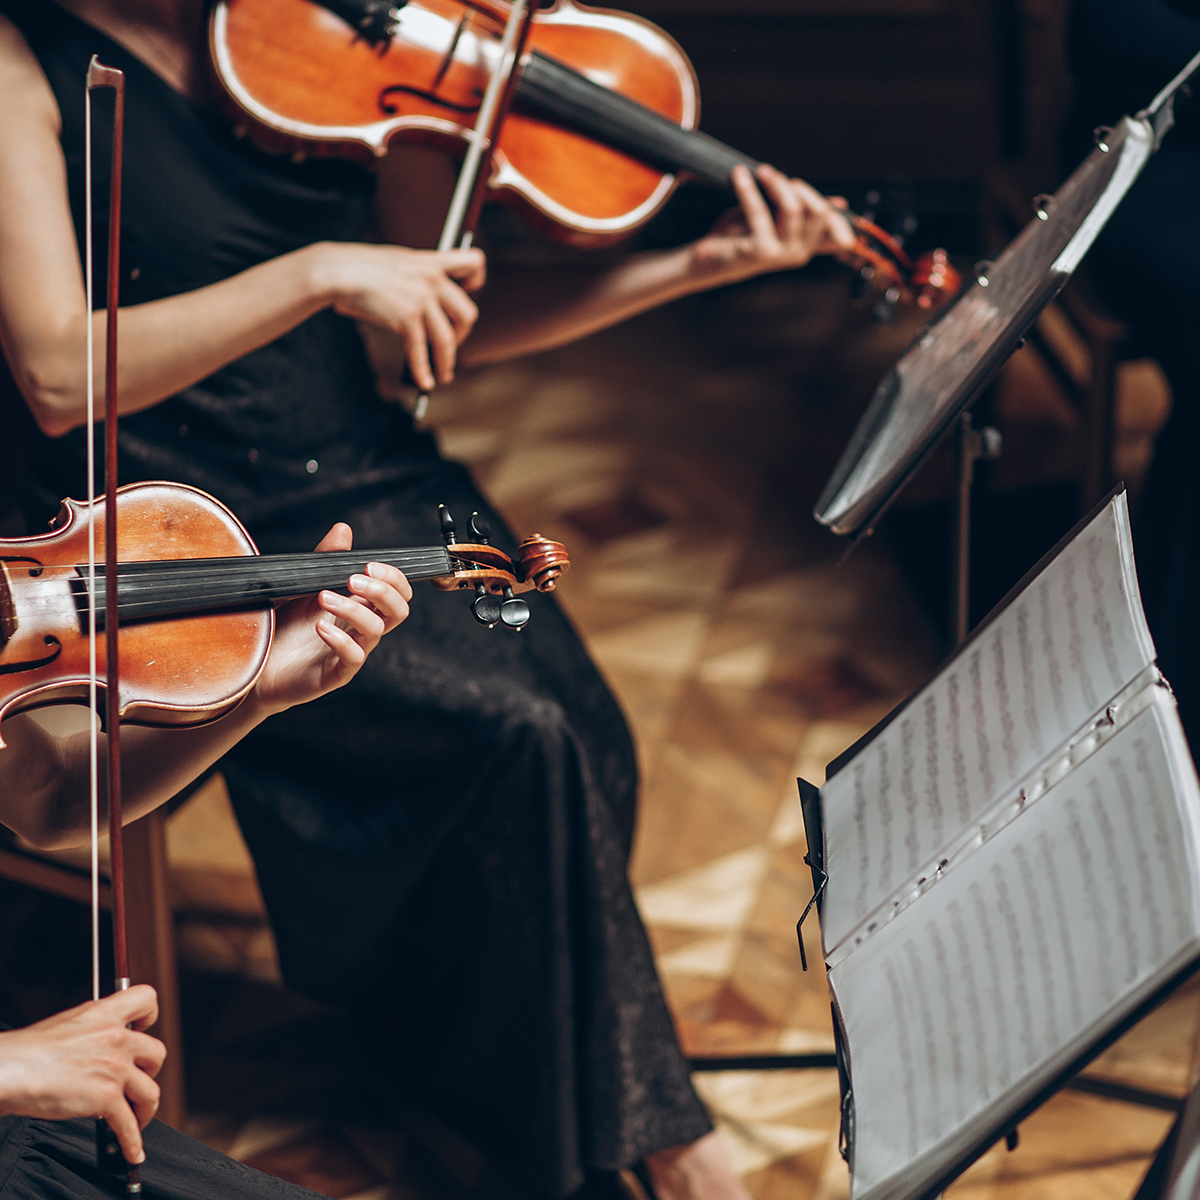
{"x":556,"y":92}
{"x":177,"y":587}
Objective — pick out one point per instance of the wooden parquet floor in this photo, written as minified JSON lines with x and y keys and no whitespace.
{"x":678,"y":457}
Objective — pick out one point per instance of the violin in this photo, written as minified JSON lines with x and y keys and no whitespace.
{"x":194,"y":600}
{"x":599,"y":124}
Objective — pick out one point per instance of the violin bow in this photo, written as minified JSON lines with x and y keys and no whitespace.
{"x":100,"y":76}
{"x":458,"y":230}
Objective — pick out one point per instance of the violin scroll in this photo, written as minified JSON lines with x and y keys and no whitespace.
{"x":496,"y":578}
{"x":542,"y":562}
{"x":935,"y":280}
{"x":930,"y":282}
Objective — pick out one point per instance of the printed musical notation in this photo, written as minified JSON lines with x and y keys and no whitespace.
{"x":1036,"y":674}
{"x":1001,"y":972}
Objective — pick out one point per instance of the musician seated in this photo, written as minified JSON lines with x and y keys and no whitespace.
{"x":320,"y":643}
{"x":95,"y":1060}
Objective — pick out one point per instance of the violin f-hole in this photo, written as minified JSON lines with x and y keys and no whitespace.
{"x":449,"y":58}
{"x":34,"y":571}
{"x":34,"y":663}
{"x":401,"y":89}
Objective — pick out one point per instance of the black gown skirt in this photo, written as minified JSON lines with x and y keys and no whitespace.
{"x":471,"y":889}
{"x":56,"y":1160}
{"x":443,"y":843}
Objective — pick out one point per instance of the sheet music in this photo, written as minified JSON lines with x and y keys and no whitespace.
{"x":1017,"y":691}
{"x":996,"y":978}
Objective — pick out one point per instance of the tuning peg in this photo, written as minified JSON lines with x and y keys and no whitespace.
{"x":884,"y":308}
{"x":480,"y":530}
{"x":487,"y":608}
{"x":447,"y":523}
{"x":514,"y":612}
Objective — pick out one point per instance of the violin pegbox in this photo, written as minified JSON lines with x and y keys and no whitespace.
{"x":493,"y":576}
{"x":886,"y":270}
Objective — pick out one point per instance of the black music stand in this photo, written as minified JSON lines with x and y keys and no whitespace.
{"x":929,"y":391}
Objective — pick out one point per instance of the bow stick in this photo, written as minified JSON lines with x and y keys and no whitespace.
{"x":458,"y":231}
{"x":459,"y":228}
{"x":100,"y":76}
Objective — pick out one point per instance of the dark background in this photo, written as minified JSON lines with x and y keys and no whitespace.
{"x":850,"y":93}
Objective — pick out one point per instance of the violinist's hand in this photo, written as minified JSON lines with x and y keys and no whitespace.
{"x":750,"y":240}
{"x":321,"y":641}
{"x":85,"y":1062}
{"x":420,"y":295}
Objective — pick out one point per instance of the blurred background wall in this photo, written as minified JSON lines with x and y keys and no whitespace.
{"x":853,"y":93}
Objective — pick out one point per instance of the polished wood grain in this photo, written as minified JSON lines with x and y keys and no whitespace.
{"x":185,"y":671}
{"x":543,"y":562}
{"x":299,"y":81}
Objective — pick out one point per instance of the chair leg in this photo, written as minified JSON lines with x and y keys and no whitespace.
{"x":151,"y":932}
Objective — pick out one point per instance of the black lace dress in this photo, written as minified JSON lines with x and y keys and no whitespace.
{"x":442,"y":844}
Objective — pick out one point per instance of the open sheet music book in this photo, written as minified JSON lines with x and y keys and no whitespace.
{"x":1013,"y":869}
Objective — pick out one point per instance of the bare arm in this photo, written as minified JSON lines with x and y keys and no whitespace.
{"x":320,"y":643}
{"x":520,"y":314}
{"x":527,"y":309}
{"x":169,"y":344}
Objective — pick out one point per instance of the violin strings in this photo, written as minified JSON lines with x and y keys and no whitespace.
{"x":274,"y":564}
{"x":271,"y":563}
{"x":145,"y":585}
{"x":93,"y":731}
{"x":268,"y":574}
{"x":553,"y":89}
{"x":179,"y":586}
{"x":182,"y":599}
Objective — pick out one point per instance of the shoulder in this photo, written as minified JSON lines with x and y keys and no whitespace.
{"x":25,"y":95}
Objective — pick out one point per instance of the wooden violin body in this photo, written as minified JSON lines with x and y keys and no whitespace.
{"x":185,"y":673}
{"x":195,"y":602}
{"x":302,"y":79}
{"x":602,"y":124}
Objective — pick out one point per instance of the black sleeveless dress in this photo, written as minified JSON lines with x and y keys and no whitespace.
{"x":442,"y":844}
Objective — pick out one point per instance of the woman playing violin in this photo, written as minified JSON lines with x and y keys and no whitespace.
{"x":96,"y":1060}
{"x":443,"y":844}
{"x":320,"y":644}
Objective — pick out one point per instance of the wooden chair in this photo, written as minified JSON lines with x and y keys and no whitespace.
{"x":150,"y":925}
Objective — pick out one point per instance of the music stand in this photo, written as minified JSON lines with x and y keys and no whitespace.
{"x":928,"y":392}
